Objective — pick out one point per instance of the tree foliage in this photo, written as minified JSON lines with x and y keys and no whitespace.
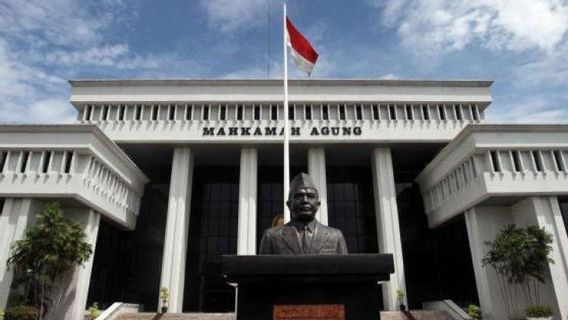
{"x":520,"y":258}
{"x":50,"y":250}
{"x":520,"y":253}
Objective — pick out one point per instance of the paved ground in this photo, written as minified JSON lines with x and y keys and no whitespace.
{"x":418,"y":315}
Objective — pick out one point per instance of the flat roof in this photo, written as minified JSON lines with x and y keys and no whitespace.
{"x":277,"y":82}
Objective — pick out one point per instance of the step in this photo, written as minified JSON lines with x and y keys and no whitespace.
{"x":385,"y":315}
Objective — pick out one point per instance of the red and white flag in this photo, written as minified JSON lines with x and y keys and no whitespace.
{"x":303,"y":52}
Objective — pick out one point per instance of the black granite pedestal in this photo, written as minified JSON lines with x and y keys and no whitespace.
{"x":350,"y":281}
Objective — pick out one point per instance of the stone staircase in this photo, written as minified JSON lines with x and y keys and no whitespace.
{"x":385,"y":315}
{"x":177,"y":316}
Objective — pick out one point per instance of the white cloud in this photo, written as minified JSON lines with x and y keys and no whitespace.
{"x":43,"y":42}
{"x":437,"y":26}
{"x":229,"y":15}
{"x":549,"y":71}
{"x":533,"y":109}
{"x":57,"y":22}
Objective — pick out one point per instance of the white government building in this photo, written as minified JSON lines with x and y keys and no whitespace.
{"x":167,"y":175}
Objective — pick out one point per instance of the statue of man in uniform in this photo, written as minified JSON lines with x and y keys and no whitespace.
{"x":303,"y":234}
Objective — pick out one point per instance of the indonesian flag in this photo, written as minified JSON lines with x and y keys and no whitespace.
{"x":303,"y":52}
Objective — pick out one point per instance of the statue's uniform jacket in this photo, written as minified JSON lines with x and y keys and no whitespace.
{"x":284,"y":240}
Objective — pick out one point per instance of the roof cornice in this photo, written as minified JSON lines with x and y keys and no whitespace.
{"x":277,"y":82}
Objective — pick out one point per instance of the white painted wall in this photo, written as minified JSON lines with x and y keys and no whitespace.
{"x":545,"y":212}
{"x":17,"y":215}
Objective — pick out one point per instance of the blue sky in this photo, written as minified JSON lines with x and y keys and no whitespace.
{"x":520,"y":44}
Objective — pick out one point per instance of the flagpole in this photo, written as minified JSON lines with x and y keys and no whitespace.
{"x":286,"y":129}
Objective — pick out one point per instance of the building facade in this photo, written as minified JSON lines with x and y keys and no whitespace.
{"x":167,"y":175}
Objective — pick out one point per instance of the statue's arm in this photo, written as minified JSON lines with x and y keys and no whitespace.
{"x":341,"y":246}
{"x":265,"y":244}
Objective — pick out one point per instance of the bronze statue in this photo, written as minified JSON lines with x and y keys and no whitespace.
{"x":304,"y":234}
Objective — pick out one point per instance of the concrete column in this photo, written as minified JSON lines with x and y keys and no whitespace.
{"x":388,"y":230}
{"x":483,"y":224}
{"x":17,"y":215}
{"x":177,"y":227}
{"x":544,"y":212}
{"x":317,"y":170}
{"x":246,"y":244}
{"x":74,"y":302}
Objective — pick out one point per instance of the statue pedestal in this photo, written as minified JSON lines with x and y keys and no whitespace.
{"x":330,"y":287}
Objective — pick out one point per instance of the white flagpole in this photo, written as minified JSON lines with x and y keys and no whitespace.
{"x":286,"y":129}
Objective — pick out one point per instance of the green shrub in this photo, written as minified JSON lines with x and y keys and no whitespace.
{"x":473,"y":311}
{"x":94,"y":311}
{"x":21,"y":313}
{"x":538,"y":312}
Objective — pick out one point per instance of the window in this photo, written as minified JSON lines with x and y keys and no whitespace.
{"x":458,"y":112}
{"x":46,"y":161}
{"x":273,"y":112}
{"x":425,"y":112}
{"x":392,"y":112}
{"x":188,"y":112}
{"x":213,"y":230}
{"x":291,"y":115}
{"x":359,"y":112}
{"x":154,"y":113}
{"x":442,"y":112}
{"x":308,"y":112}
{"x":25,"y":156}
{"x":240,"y":112}
{"x":121,"y":110}
{"x":171,"y":113}
{"x":88,"y":111}
{"x":256,"y":112}
{"x":494,"y":155}
{"x":408,"y":109}
{"x":3,"y":156}
{"x":342,"y":112}
{"x":105,"y":113}
{"x":137,"y":112}
{"x":474,"y":113}
{"x":68,"y":159}
{"x":375,"y":109}
{"x":223,"y":113}
{"x":205,"y":113}
{"x":325,"y":112}
{"x":558,"y":159}
{"x":537,"y":160}
{"x":516,"y":161}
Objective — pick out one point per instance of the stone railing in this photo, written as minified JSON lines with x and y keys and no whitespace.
{"x":97,"y":175}
{"x":481,"y":165}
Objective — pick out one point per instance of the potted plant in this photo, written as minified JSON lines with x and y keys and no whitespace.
{"x":164,"y":296}
{"x":474,"y":312}
{"x":93,"y":312}
{"x":400,"y":297}
{"x":542,"y":312}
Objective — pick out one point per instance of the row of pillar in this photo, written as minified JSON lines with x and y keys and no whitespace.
{"x":17,"y":215}
{"x":177,"y":225}
{"x":482,"y":223}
